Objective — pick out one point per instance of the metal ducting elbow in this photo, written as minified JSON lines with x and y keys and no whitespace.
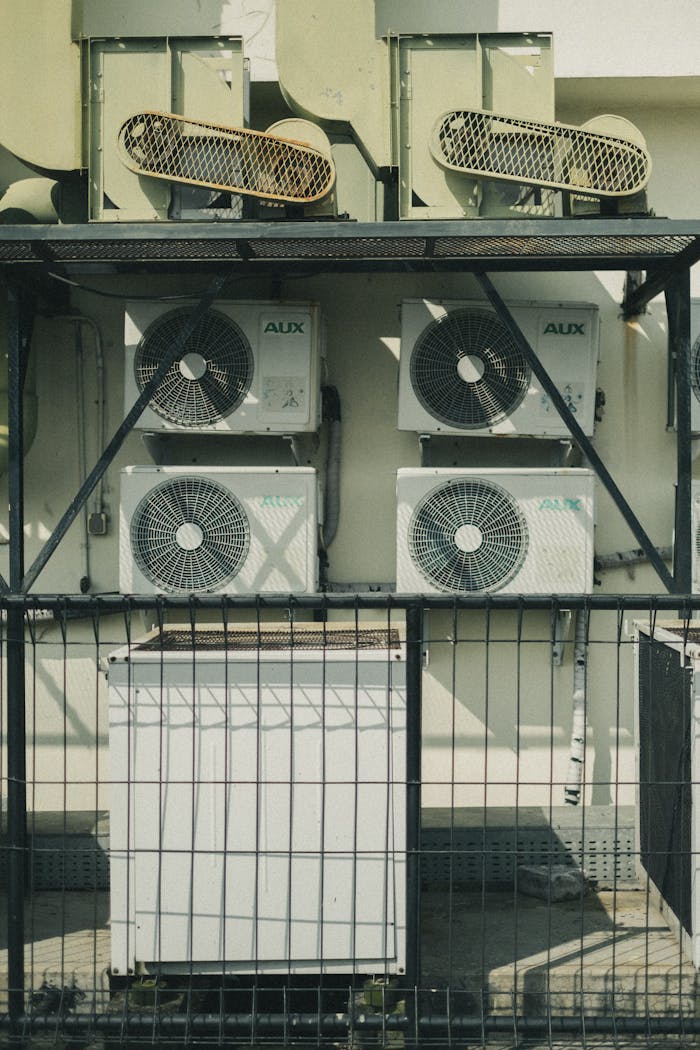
{"x":336,"y":77}
{"x":33,"y":200}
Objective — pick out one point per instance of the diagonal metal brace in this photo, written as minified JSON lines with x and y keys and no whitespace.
{"x":577,"y":433}
{"x":123,"y":431}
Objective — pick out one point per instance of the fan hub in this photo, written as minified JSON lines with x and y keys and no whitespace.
{"x":189,"y":536}
{"x":471,"y":368}
{"x":192,"y":366}
{"x":468,"y":538}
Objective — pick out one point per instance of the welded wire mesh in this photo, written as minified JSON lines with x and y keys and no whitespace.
{"x":223,"y":822}
{"x":476,"y":142}
{"x":236,"y":160}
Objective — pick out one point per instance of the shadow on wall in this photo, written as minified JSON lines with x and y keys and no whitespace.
{"x":417,"y":16}
{"x":498,"y":713}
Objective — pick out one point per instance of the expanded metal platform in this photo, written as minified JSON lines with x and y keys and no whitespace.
{"x":573,"y":244}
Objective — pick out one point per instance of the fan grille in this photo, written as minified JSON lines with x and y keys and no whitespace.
{"x":466,"y":370}
{"x":211,"y":375}
{"x":468,"y":536}
{"x":189,"y":534}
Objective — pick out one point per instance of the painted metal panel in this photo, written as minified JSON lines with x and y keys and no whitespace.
{"x":258,"y":811}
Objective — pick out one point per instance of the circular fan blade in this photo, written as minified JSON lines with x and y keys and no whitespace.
{"x":211,"y":375}
{"x":189,"y":534}
{"x":466,"y":370}
{"x":468,"y":536}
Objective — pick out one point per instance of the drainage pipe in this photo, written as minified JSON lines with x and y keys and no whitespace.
{"x":341,"y":1025}
{"x":572,"y":790}
{"x":82,"y":457}
{"x":331,"y":413}
{"x":627,"y":558}
{"x":81,"y":319}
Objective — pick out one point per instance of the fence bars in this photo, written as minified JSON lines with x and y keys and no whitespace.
{"x":520,"y":912}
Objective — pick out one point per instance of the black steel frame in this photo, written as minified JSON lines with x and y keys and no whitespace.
{"x":665,"y":249}
{"x":31,"y":256}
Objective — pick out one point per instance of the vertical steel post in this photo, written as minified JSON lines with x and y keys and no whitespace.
{"x":16,"y":730}
{"x":678,"y":298}
{"x":414,"y":671}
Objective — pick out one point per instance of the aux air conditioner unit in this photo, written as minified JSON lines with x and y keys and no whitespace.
{"x":248,"y":367}
{"x":258,"y":800}
{"x":461,"y":372}
{"x":218,"y":530}
{"x":471,"y":531}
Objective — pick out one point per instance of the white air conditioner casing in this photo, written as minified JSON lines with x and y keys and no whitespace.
{"x":461,"y":373}
{"x":258,"y":800}
{"x":526,"y":531}
{"x":250,"y":367}
{"x":218,"y":530}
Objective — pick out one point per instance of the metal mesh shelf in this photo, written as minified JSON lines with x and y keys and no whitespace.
{"x":526,"y":244}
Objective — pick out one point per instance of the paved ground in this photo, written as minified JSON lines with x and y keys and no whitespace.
{"x":612,"y":951}
{"x":613,"y":954}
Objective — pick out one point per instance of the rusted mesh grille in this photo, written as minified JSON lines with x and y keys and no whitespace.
{"x":279,"y":636}
{"x":475,"y":142}
{"x":173,"y":148}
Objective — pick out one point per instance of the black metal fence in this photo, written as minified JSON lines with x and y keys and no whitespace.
{"x":349,"y":820}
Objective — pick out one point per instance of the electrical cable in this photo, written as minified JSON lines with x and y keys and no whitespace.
{"x":184,"y":297}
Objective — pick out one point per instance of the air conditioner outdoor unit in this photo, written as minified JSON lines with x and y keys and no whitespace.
{"x":248,"y":367}
{"x":667,"y":730}
{"x":461,"y":372}
{"x":218,"y":530}
{"x":527,"y":531}
{"x":258,"y":800}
